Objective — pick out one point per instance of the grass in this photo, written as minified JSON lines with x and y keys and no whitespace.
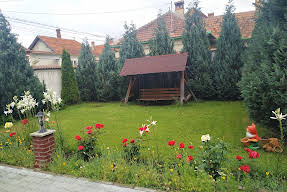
{"x":224,"y":120}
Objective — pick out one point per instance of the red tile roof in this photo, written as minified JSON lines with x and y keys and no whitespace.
{"x":175,"y":25}
{"x":58,"y":44}
{"x":155,"y":64}
{"x":97,"y":50}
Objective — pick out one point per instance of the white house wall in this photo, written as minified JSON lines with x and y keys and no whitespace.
{"x":51,"y":78}
{"x":41,"y":46}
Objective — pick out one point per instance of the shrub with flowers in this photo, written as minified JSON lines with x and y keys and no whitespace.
{"x":212,"y":155}
{"x":132,"y":148}
{"x":87,"y":144}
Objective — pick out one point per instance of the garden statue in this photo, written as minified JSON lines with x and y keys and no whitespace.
{"x":251,"y":140}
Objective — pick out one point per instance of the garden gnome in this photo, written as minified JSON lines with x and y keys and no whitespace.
{"x":253,"y":139}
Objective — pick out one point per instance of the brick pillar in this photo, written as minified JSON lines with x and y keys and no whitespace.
{"x":43,"y":146}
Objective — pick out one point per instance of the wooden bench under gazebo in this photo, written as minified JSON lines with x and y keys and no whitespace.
{"x":157,"y":78}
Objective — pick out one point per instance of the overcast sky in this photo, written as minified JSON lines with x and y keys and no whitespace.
{"x":97,"y":17}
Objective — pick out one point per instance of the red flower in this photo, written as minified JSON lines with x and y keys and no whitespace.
{"x":81,"y":147}
{"x":171,"y":143}
{"x":179,"y":156}
{"x":89,"y":127}
{"x":90,"y":131}
{"x":253,"y":154}
{"x":78,"y":137}
{"x":53,"y":122}
{"x":247,"y":149}
{"x":132,"y":141}
{"x":189,"y":158}
{"x":24,"y":121}
{"x":245,"y":168}
{"x":190,"y":147}
{"x":181,"y":145}
{"x":12,"y":134}
{"x":125,"y":144}
{"x":238,"y":157}
{"x":98,"y":126}
{"x":124,"y":140}
{"x":141,"y":129}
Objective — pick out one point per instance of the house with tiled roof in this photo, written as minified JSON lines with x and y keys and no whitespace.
{"x":175,"y":25}
{"x":45,"y":57}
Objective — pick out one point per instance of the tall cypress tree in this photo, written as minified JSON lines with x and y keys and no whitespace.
{"x":70,"y":92}
{"x":130,"y":48}
{"x":264,"y":84}
{"x":86,"y":74}
{"x":107,"y":74}
{"x":161,"y":44}
{"x":227,"y":61}
{"x":16,"y":75}
{"x":196,"y":43}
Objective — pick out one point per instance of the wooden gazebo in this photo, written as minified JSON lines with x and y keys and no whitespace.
{"x":157,"y":78}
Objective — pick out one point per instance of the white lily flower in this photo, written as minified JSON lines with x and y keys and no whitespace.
{"x":205,"y":138}
{"x":278,"y":116}
{"x":153,"y":122}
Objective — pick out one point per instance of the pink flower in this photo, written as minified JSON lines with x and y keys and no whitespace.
{"x":253,"y":154}
{"x":78,"y":137}
{"x":245,"y":168}
{"x":179,"y":156}
{"x":190,"y":147}
{"x":189,"y":158}
{"x":24,"y":121}
{"x":124,"y":140}
{"x":181,"y":145}
{"x":171,"y":143}
{"x":89,"y":127}
{"x":132,"y":141}
{"x":81,"y":147}
{"x":247,"y":149}
{"x":238,"y":157}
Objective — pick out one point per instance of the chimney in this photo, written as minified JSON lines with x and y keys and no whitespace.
{"x":179,"y":7}
{"x":210,"y":14}
{"x":58,"y":33}
{"x":93,"y":45}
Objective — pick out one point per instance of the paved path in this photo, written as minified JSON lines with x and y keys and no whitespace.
{"x":26,"y":180}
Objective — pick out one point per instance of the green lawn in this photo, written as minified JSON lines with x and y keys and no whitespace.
{"x":224,"y":120}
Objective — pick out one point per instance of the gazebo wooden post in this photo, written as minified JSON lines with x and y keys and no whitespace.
{"x":129,"y":90}
{"x":182,"y":88}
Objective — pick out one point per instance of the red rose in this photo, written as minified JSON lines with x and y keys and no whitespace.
{"x":12,"y":134}
{"x":181,"y":145}
{"x":238,"y":157}
{"x":245,"y":168}
{"x":125,"y":144}
{"x":24,"y":121}
{"x":189,"y":158}
{"x":141,"y":129}
{"x":171,"y":143}
{"x":253,"y":154}
{"x":190,"y":147}
{"x":81,"y":147}
{"x":78,"y":137}
{"x":132,"y":141}
{"x":247,"y":149}
{"x":90,"y":131}
{"x":124,"y":140}
{"x":98,"y":126}
{"x":89,"y":127}
{"x":179,"y":156}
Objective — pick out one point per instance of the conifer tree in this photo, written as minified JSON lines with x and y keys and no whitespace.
{"x":107,"y":74}
{"x":70,"y":92}
{"x":86,"y":74}
{"x":16,"y":74}
{"x":264,"y":84}
{"x":196,"y":43}
{"x":130,"y":48}
{"x":161,"y":44}
{"x":227,"y":61}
